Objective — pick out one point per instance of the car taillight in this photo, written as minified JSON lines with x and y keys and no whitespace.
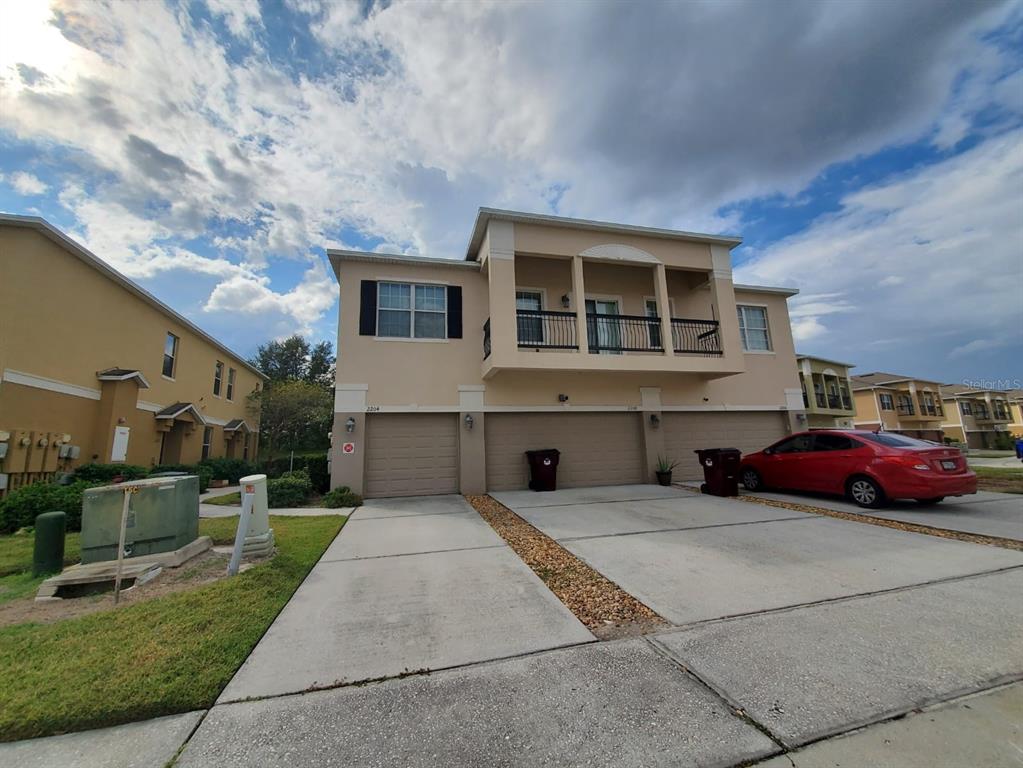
{"x":913,"y":462}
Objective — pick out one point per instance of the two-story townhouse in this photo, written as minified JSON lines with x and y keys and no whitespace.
{"x":1015,"y":398}
{"x":827,"y":392}
{"x":896,"y":403}
{"x":94,"y":368}
{"x":975,"y":416}
{"x":614,"y":344}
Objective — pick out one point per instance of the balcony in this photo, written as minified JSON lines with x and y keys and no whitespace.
{"x":614,"y":334}
{"x":905,"y":410}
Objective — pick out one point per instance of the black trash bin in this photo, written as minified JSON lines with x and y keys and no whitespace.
{"x":720,"y":470}
{"x":543,"y":469}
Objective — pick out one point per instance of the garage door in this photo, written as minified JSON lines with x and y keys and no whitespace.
{"x":748,"y":431}
{"x":409,"y":454}
{"x":596,"y":448}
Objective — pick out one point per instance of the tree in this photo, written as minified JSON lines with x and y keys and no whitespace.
{"x":294,"y":360}
{"x":293,"y":415}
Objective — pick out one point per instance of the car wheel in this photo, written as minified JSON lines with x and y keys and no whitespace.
{"x":933,"y":500}
{"x":751,"y":480}
{"x":866,"y":493}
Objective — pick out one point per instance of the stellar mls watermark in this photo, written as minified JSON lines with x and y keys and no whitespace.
{"x":993,"y":383}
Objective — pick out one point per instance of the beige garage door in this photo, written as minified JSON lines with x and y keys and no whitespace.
{"x":748,"y":431}
{"x":410,"y":454}
{"x":596,"y":448}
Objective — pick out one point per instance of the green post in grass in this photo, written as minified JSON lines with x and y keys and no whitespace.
{"x":48,"y":556}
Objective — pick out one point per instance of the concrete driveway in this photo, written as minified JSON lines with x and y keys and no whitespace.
{"x":408,"y":585}
{"x":985,"y":512}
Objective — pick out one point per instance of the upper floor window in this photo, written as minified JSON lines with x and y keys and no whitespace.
{"x":170,"y":355}
{"x":965,"y":408}
{"x":753,"y":328}
{"x":230,"y":383}
{"x":218,"y":378}
{"x":409,"y":311}
{"x":530,"y":327}
{"x":887,"y":402}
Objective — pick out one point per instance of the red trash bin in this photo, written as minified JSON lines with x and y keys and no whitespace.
{"x":543,"y":469}
{"x":720,"y":470}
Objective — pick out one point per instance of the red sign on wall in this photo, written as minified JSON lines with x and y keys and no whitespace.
{"x":348,"y":448}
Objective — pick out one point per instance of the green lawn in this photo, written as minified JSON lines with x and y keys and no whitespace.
{"x":16,"y":579}
{"x":1001,"y":479}
{"x":226,"y":500}
{"x":166,"y":655}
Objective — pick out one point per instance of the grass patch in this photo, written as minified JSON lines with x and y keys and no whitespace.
{"x":163,"y":656}
{"x":226,"y":500}
{"x":999,"y":479}
{"x":16,"y":552}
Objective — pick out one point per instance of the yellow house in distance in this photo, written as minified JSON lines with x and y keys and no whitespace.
{"x":95,"y":369}
{"x":975,"y":416}
{"x":826,"y":392}
{"x":1015,"y":397}
{"x":897,"y":403}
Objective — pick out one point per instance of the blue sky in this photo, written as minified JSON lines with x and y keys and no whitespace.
{"x":870,"y":154}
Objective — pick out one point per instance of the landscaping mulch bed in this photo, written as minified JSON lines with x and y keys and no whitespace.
{"x":606,"y":609}
{"x":942,"y":533}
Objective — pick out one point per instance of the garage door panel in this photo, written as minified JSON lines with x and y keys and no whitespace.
{"x":596,"y":448}
{"x":411,"y":454}
{"x":748,"y":431}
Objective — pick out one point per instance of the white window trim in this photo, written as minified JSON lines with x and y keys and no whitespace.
{"x":230,"y":384}
{"x":218,"y":365}
{"x":671,"y":305}
{"x":207,"y":448}
{"x":174,"y":357}
{"x":412,"y":311}
{"x":880,"y":406}
{"x":542,"y":292}
{"x":767,"y":329}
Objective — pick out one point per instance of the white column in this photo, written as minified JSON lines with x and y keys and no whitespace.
{"x":579,"y":292}
{"x":664,"y":308}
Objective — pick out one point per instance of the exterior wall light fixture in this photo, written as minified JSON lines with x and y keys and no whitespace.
{"x":469,"y":421}
{"x":350,"y":424}
{"x":564,"y":301}
{"x":655,"y":420}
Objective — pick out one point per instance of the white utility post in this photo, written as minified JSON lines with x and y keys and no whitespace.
{"x":259,"y":540}
{"x":244,"y":521}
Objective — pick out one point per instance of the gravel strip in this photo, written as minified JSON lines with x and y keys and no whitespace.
{"x":941,"y":533}
{"x":606,"y":609}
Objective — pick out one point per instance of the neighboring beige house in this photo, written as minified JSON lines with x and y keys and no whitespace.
{"x":897,"y":403}
{"x":827,"y":393}
{"x":1015,"y":398}
{"x":975,"y":416}
{"x":94,"y":368}
{"x":550,"y":334}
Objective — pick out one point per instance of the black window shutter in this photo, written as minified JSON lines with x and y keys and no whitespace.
{"x":454,"y":311}
{"x":368,"y":309}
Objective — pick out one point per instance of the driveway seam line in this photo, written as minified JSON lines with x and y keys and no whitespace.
{"x":800,"y":516}
{"x":677,"y":628}
{"x":737,"y":709}
{"x":680,"y":497}
{"x":411,"y":554}
{"x":425,"y":672}
{"x":402,"y":517}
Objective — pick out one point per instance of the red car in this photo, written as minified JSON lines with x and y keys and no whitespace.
{"x":868,"y":467}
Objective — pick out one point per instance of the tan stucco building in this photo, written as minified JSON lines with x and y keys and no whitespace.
{"x":897,"y":403}
{"x":827,"y":392}
{"x":549,"y":334}
{"x":975,"y":416}
{"x":94,"y":368}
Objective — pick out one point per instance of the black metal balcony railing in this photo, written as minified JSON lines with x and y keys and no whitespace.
{"x":544,"y":329}
{"x":486,"y":339}
{"x":1001,"y":415}
{"x":846,"y":403}
{"x":906,"y":410}
{"x":981,"y":414}
{"x":928,"y":409}
{"x":822,"y":401}
{"x":834,"y":401}
{"x":698,"y":337}
{"x":623,"y":333}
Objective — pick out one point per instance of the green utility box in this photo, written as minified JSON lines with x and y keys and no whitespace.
{"x":164,"y":516}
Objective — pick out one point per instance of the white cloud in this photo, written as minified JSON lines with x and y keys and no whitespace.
{"x":26,"y":184}
{"x":241,"y":16}
{"x":946,"y":242}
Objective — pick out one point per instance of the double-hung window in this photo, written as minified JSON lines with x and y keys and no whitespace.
{"x":218,"y":378}
{"x":207,"y":441}
{"x":409,"y":311}
{"x":965,"y":408}
{"x":230,"y":383}
{"x":170,"y":355}
{"x":887,"y":401}
{"x":530,"y":325}
{"x":753,"y":328}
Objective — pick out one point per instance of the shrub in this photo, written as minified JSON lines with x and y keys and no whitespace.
{"x":92,"y":473}
{"x":1004,"y":441}
{"x":21,"y":507}
{"x":315,"y":465}
{"x":232,"y":470}
{"x":293,"y":491}
{"x":341,"y":497}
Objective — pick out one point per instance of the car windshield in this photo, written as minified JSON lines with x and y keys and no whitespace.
{"x":896,"y":441}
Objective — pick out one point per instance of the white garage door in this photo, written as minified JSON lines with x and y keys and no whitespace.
{"x":596,"y":448}
{"x":410,"y":454}
{"x":748,"y":431}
